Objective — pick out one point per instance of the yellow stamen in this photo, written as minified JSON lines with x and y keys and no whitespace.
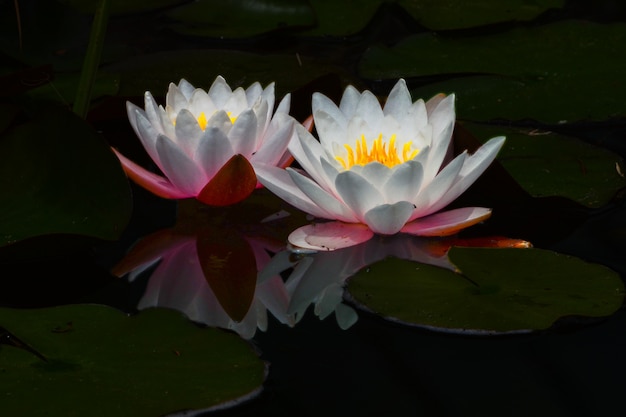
{"x":383,"y":152}
{"x":202,"y":120}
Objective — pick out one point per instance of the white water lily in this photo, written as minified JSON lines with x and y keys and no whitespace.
{"x":379,"y":169}
{"x":207,"y":143}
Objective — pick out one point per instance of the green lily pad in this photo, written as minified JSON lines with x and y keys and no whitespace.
{"x":200,"y":67}
{"x":57,"y":175}
{"x":341,"y":18}
{"x":551,"y":73}
{"x":154,"y":363}
{"x":120,"y":6}
{"x":497,"y":290}
{"x":462,"y":14}
{"x":548,"y":164}
{"x":239,"y":18}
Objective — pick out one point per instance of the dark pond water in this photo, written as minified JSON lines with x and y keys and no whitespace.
{"x":374,"y":366}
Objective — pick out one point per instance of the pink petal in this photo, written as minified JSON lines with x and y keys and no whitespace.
{"x":446,"y":223}
{"x":152,"y":182}
{"x":330,"y":236}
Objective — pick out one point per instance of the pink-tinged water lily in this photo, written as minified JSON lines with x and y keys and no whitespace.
{"x":207,"y":143}
{"x":179,"y":279}
{"x":379,"y":170}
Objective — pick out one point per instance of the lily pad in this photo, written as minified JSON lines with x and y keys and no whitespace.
{"x":239,"y":18}
{"x":496,"y":291}
{"x":97,"y":358}
{"x":550,"y":73}
{"x":57,"y":175}
{"x":462,"y":14}
{"x":341,"y":18}
{"x":548,"y":164}
{"x":200,"y":67}
{"x":121,"y":6}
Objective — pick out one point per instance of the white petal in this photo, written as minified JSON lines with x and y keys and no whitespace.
{"x":399,"y":101}
{"x":179,"y":168}
{"x":330,"y":236}
{"x":200,"y":102}
{"x":284,"y":105}
{"x":219,"y":120}
{"x":446,"y":223}
{"x":329,"y":129}
{"x":308,"y":152}
{"x":376,"y":173}
{"x":213,"y":151}
{"x":327,"y":202}
{"x":186,"y":88}
{"x":237,"y":102}
{"x":175,"y":99}
{"x":430,"y":195}
{"x":437,"y":153}
{"x":146,"y":133}
{"x":279,"y":134}
{"x":278,"y":181}
{"x":263,"y":116}
{"x":219,"y":92}
{"x":370,"y":110}
{"x":254,"y":92}
{"x":156,"y":116}
{"x":349,"y":101}
{"x":243,"y":134}
{"x":473,"y":168}
{"x":404,"y":182}
{"x":358,"y":193}
{"x":188,"y":132}
{"x":443,"y":115}
{"x":388,"y":219}
{"x":321,"y":103}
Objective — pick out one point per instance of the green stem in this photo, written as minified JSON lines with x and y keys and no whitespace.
{"x":92,"y":59}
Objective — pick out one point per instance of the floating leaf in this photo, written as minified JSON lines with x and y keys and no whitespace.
{"x":341,"y":18}
{"x":200,"y":67}
{"x":462,"y":14}
{"x":58,"y":176}
{"x":121,"y":6}
{"x":549,"y":164}
{"x":98,"y":360}
{"x":239,"y":18}
{"x":551,"y":73}
{"x":497,"y":291}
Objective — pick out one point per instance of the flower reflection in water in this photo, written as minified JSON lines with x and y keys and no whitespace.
{"x":180,"y":280}
{"x":319,"y":278}
{"x":221,"y":278}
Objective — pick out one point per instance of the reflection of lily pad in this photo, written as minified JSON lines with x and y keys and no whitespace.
{"x":548,"y":164}
{"x":551,"y":73}
{"x":99,"y":359}
{"x":58,"y":176}
{"x":501,"y":290}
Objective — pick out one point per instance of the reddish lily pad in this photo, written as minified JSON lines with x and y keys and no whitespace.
{"x":153,"y":363}
{"x":496,"y":291}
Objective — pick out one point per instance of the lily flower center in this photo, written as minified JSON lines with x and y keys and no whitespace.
{"x":380,"y":151}
{"x":202,"y":120}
